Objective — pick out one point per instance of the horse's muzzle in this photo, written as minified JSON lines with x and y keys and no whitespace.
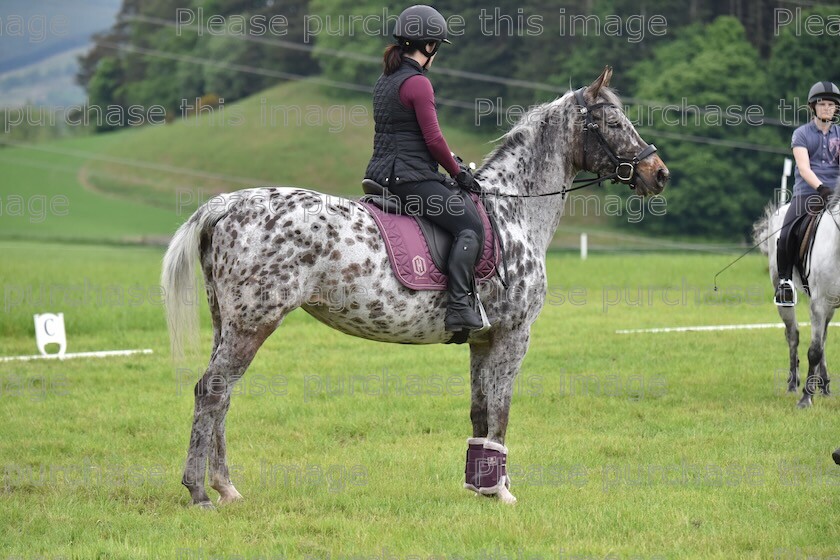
{"x":653,"y":175}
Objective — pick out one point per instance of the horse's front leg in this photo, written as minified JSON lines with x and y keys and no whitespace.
{"x":478,"y":417}
{"x":819,"y":323}
{"x":788,"y":315}
{"x":823,"y":367}
{"x":494,"y":367}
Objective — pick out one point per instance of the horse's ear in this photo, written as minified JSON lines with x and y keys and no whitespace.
{"x":601,"y":81}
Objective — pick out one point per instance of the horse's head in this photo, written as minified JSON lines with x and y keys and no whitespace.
{"x":610,"y":144}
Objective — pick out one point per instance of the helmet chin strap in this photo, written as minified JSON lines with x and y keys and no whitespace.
{"x":428,"y":54}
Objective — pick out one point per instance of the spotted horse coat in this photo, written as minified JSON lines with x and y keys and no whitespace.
{"x":266,"y":251}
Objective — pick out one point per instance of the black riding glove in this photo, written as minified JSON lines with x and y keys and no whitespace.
{"x":465,"y":179}
{"x":824,"y":192}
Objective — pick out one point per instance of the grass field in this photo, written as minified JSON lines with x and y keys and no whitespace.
{"x":680,"y":445}
{"x":621,"y":446}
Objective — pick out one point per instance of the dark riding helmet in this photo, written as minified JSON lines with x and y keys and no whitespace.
{"x":823,"y":90}
{"x":418,"y":25}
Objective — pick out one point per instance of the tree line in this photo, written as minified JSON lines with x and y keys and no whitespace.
{"x":718,"y":85}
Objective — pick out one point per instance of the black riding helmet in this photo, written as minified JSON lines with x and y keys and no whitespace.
{"x":823,"y":90}
{"x":418,"y":25}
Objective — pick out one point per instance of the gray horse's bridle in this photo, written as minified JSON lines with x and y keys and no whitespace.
{"x":625,"y":168}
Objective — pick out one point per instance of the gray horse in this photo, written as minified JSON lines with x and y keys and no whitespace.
{"x":824,"y":297}
{"x":267,"y":251}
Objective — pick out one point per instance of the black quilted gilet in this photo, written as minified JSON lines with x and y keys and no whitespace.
{"x":400,"y":154}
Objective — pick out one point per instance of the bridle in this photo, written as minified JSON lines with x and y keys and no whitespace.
{"x":625,"y":169}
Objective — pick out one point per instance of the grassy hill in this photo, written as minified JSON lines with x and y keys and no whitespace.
{"x":140,"y":183}
{"x":292,"y":134}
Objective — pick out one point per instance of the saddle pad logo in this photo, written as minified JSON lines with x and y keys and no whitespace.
{"x":418,"y":263}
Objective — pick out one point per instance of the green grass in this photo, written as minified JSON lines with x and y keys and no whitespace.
{"x":385,"y":466}
{"x":707,"y":405}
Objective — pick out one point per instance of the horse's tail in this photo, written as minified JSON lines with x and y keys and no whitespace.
{"x":178,"y":279}
{"x":763,"y":228}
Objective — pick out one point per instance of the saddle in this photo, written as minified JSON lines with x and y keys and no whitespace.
{"x":803,"y":234}
{"x":417,"y":248}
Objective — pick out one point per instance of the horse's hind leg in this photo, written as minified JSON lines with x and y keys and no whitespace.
{"x":212,"y":397}
{"x":219,"y":473}
{"x":824,"y":380}
{"x":788,"y":315}
{"x":210,"y":289}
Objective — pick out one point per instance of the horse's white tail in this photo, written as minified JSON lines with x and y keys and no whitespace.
{"x":764,"y":227}
{"x":179,"y":283}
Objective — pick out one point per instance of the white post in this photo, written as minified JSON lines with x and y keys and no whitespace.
{"x":783,"y":195}
{"x":583,"y":246}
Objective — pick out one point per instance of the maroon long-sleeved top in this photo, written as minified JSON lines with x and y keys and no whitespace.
{"x":416,"y":93}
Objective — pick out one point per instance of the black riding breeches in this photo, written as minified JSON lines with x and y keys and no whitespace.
{"x":786,"y":252}
{"x":439,"y":204}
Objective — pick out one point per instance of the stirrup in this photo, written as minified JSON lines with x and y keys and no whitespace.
{"x":461,"y":336}
{"x":485,"y":322}
{"x":784,"y":289}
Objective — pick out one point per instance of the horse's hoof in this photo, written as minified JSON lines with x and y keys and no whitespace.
{"x":505,"y":496}
{"x":792,"y":388}
{"x":805,"y":402}
{"x":230,"y":497}
{"x":205,"y":505}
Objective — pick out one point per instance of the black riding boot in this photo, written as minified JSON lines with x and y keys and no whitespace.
{"x":785,"y":291}
{"x":460,"y":312}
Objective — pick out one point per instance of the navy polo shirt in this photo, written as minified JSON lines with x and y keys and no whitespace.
{"x":823,"y":152}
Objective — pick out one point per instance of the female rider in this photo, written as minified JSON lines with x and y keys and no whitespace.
{"x":408,"y":146}
{"x":816,"y":149}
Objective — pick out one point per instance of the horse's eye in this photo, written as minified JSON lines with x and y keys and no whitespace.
{"x":614,"y":124}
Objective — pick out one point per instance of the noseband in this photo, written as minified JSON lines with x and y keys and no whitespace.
{"x":625,"y":169}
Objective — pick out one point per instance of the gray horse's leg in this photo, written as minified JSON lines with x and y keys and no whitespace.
{"x":478,"y":400}
{"x":824,"y":380}
{"x":212,"y":397}
{"x":478,"y":416}
{"x":493,"y":371}
{"x":219,"y":472}
{"x":820,"y":315}
{"x":788,"y":315}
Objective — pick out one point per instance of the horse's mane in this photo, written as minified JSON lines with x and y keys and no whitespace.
{"x":761,"y":228}
{"x":524,"y":130}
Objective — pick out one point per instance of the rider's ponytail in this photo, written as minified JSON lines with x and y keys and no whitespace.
{"x":392,"y":59}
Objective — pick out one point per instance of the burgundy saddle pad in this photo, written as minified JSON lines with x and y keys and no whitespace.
{"x":409,"y":253}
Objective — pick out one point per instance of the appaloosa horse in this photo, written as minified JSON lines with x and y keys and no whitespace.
{"x":267,"y":251}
